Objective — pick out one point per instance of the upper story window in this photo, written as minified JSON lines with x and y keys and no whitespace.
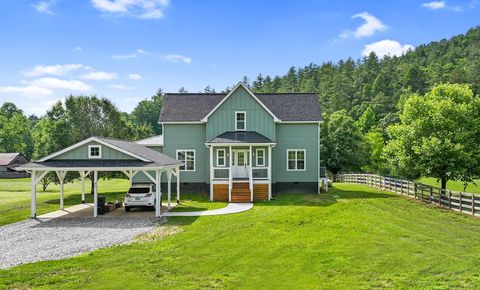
{"x":240,"y":121}
{"x":188,"y":157}
{"x":95,"y":151}
{"x":295,"y":159}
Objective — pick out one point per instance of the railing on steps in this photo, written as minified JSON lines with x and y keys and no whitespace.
{"x":464,"y":202}
{"x":250,"y":182}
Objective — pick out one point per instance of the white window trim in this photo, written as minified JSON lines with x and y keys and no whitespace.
{"x":304,"y":159}
{"x":256,"y":157}
{"x":99,"y":151}
{"x":224,"y":158}
{"x":185,"y":165}
{"x":244,"y":121}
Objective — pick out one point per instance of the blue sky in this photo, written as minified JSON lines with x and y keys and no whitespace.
{"x":126,"y":49}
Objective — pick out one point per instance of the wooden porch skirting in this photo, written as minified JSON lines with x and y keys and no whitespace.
{"x":220,"y":192}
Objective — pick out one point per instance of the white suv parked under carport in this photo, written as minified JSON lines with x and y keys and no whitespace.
{"x":141,"y":195}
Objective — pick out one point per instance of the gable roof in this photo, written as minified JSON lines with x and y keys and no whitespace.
{"x":286,"y":107}
{"x":7,"y":158}
{"x":133,"y":149}
{"x":237,"y":87}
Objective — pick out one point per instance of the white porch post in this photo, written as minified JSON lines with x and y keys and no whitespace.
{"x":250,"y":172}
{"x":269,"y":172}
{"x":211,"y":172}
{"x":158,"y":179}
{"x":33,"y":202}
{"x":169,"y":187}
{"x":230,"y":174}
{"x":95,"y":194}
{"x":178,"y":184}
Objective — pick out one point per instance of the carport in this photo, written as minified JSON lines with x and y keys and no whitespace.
{"x":98,"y":154}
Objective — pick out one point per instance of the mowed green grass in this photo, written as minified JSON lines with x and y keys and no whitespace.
{"x":351,"y":237}
{"x":452,"y":185}
{"x":15,"y":197}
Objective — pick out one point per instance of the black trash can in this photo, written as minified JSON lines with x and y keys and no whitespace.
{"x":101,"y":204}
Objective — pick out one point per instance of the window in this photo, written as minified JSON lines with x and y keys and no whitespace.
{"x":220,"y":157}
{"x":240,"y":121}
{"x":260,"y":155}
{"x":188,"y":157}
{"x":295,"y":159}
{"x":95,"y":151}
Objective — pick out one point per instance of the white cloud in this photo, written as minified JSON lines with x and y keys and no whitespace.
{"x":134,"y":77}
{"x":26,"y":90}
{"x":77,"y":48}
{"x":434,"y":5}
{"x":99,"y":76}
{"x":144,"y":9}
{"x":370,"y":27}
{"x":57,"y":70}
{"x":141,"y":51}
{"x":386,"y":47}
{"x":119,"y":87}
{"x":177,"y":58}
{"x":44,"y":6}
{"x":54,"y":83}
{"x":124,"y":56}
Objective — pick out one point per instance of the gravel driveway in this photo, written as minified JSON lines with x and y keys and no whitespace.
{"x":38,"y":240}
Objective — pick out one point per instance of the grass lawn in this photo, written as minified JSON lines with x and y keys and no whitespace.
{"x":352,"y":237}
{"x":452,"y":185}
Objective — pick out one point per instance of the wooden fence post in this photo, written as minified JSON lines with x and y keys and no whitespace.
{"x":431,"y":192}
{"x":449,"y":199}
{"x":460,"y":201}
{"x":415,"y":189}
{"x":473,"y":204}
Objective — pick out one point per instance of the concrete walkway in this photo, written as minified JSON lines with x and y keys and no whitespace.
{"x":230,"y":208}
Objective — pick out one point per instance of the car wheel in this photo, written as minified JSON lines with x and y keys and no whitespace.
{"x":127,"y":209}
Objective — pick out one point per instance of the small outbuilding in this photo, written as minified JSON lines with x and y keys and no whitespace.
{"x":8,"y":163}
{"x":97,"y":154}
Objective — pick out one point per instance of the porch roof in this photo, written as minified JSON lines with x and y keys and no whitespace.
{"x":240,"y":137}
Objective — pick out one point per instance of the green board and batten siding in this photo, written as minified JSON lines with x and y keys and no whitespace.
{"x":223,"y":119}
{"x":81,"y":153}
{"x":296,"y":136}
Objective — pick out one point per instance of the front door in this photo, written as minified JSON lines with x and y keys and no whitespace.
{"x":240,"y":163}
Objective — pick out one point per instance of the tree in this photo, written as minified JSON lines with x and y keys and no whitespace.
{"x":438,"y":135}
{"x":376,"y":162}
{"x":367,"y":120}
{"x":341,"y":144}
{"x":15,"y":135}
{"x":148,"y":111}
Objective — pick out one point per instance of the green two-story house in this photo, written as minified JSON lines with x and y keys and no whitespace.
{"x":242,"y":146}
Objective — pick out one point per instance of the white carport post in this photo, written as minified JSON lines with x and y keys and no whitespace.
{"x":169,"y":187}
{"x":61,"y":177}
{"x":95,"y":194}
{"x":178,"y":184}
{"x":158,"y":182}
{"x":33,"y":204}
{"x":83,"y":175}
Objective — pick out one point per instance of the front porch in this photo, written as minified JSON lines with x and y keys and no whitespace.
{"x":240,"y":167}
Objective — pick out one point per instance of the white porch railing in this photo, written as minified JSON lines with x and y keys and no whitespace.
{"x":259,"y":172}
{"x":221,"y":173}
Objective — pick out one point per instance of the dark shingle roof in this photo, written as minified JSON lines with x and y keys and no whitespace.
{"x":7,"y":158}
{"x":142,"y":151}
{"x":240,"y":137}
{"x":188,"y":107}
{"x":285,"y":106}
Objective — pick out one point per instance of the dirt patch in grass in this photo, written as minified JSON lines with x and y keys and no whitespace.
{"x":159,"y":233}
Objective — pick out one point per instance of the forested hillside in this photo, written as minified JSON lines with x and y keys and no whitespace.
{"x":354,"y":85}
